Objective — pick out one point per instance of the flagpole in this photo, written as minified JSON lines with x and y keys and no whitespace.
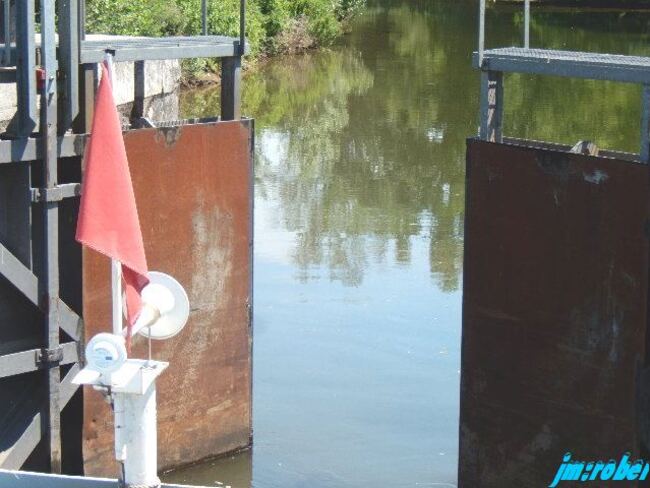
{"x":161,"y":301}
{"x":116,"y":266}
{"x":116,"y":291}
{"x":116,"y":282}
{"x":133,"y":402}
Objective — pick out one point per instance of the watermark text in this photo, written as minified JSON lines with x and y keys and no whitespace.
{"x":622,"y":470}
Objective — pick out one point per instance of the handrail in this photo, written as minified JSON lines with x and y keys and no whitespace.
{"x":481,"y":29}
{"x":6,"y":32}
{"x":527,"y":24}
{"x":481,"y":32}
{"x":595,"y":66}
{"x":204,"y":21}
{"x":204,"y":17}
{"x":242,"y":27}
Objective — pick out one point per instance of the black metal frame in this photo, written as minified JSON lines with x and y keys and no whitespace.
{"x":44,"y":136}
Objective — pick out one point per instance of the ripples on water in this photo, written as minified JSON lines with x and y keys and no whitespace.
{"x":359,"y":195}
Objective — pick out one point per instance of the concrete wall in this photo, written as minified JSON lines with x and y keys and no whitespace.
{"x":161,"y":90}
{"x":162,"y":84}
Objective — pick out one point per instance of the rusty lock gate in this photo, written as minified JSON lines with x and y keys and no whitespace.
{"x":555,"y":291}
{"x":194,"y":188}
{"x":554,"y":311}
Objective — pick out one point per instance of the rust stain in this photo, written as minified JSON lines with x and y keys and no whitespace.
{"x":170,"y":135}
{"x":193,"y":190}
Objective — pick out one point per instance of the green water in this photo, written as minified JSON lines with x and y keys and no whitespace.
{"x":359,"y":194}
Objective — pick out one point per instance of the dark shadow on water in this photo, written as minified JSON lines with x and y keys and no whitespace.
{"x":235,"y":471}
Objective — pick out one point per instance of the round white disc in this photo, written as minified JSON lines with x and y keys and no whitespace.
{"x":171,"y":322}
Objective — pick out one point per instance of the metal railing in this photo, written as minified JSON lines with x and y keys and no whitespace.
{"x":596,"y":66}
{"x":481,"y":28}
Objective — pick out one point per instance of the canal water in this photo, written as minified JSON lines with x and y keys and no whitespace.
{"x":359,"y":199}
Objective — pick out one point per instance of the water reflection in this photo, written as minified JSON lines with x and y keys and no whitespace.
{"x":361,"y":150}
{"x":359,"y":224}
{"x":372,"y":134}
{"x":234,"y":471}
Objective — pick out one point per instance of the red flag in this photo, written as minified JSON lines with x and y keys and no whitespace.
{"x":108,"y":218}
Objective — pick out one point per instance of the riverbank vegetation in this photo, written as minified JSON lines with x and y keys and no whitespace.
{"x":273,"y":26}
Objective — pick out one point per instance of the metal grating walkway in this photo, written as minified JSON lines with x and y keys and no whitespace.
{"x":612,"y":67}
{"x":94,"y":48}
{"x":150,"y":48}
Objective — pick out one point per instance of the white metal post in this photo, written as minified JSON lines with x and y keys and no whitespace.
{"x":136,"y":437}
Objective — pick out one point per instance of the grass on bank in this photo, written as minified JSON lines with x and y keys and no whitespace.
{"x":273,"y":26}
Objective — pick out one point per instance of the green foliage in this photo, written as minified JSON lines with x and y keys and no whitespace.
{"x":277,"y":14}
{"x":321,"y":17}
{"x":138,"y":18}
{"x":266,"y":19}
{"x":346,"y":9}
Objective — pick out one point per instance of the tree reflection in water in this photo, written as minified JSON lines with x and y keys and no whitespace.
{"x":363,"y":147}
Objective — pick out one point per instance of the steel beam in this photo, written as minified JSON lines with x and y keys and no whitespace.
{"x":50,"y":281}
{"x":15,"y":221}
{"x":481,"y":32}
{"x":18,"y":363}
{"x":242,"y":27}
{"x":204,"y":17}
{"x":139,"y":90}
{"x":42,"y":288}
{"x":14,"y":456}
{"x":88,"y":86}
{"x":527,"y":24}
{"x":8,"y":75}
{"x":25,"y":121}
{"x":6,"y":32}
{"x":71,"y":353}
{"x":491,"y":106}
{"x":31,"y":149}
{"x":28,"y":361}
{"x":70,"y":322}
{"x":19,"y":275}
{"x":645,"y":124}
{"x":67,"y":387}
{"x":231,"y":88}
{"x":151,"y":48}
{"x":56,"y":194}
{"x":592,"y":66}
{"x":69,"y":61}
{"x":82,"y":19}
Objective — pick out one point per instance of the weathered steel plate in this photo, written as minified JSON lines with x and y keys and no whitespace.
{"x":554,"y":314}
{"x":193,"y":187}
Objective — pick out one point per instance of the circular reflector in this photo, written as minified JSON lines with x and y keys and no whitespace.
{"x":168,"y":296}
